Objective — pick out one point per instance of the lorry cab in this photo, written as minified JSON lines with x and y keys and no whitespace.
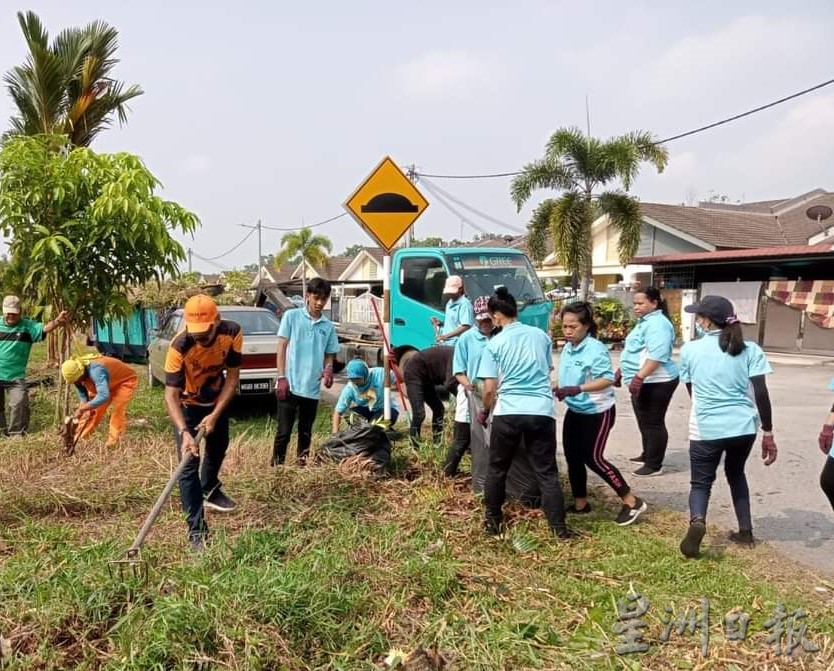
{"x":419,"y":273}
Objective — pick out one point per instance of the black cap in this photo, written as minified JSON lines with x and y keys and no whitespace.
{"x":717,"y":309}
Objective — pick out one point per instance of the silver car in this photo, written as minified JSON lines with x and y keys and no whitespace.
{"x":260,"y":342}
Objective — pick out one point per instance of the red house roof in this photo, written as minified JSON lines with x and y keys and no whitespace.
{"x":739,"y":254}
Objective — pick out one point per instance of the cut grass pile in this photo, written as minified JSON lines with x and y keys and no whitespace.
{"x":322,"y":568}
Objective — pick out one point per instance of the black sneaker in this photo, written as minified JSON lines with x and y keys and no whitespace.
{"x":639,"y":459}
{"x":579,"y":511}
{"x":646,"y":472}
{"x":691,"y":543}
{"x":564,"y":533}
{"x":743,"y":537}
{"x":219,"y":502}
{"x":493,"y":526}
{"x":628,"y":515}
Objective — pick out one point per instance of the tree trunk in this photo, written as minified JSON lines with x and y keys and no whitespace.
{"x":53,"y":358}
{"x":303,"y":278}
{"x":586,"y":286}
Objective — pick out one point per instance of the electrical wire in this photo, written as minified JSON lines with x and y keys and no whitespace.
{"x":298,"y":228}
{"x":679,"y":136}
{"x":474,"y":210}
{"x":209,"y":261}
{"x":220,"y":256}
{"x":450,"y":207}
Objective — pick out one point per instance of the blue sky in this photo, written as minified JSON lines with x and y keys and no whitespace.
{"x":277,"y":111}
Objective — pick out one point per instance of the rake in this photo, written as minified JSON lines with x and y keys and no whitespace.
{"x":132,"y":565}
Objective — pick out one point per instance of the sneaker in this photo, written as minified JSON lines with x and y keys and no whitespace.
{"x":493,"y":526}
{"x":579,"y":511}
{"x":219,"y":502}
{"x":628,"y":515}
{"x":646,"y":472}
{"x":743,"y":537}
{"x":691,"y":543}
{"x":639,"y":459}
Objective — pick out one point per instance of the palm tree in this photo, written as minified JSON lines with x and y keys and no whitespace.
{"x":309,"y":248}
{"x":577,"y":165}
{"x":66,"y":87}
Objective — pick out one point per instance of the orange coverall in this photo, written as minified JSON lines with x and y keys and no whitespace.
{"x":106,"y":381}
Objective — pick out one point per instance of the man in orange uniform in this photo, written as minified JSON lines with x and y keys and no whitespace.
{"x":100,"y":382}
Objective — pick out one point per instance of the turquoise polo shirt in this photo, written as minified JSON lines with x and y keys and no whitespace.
{"x":585,"y":362}
{"x":369,"y":397}
{"x":468,"y":350}
{"x":723,"y":405}
{"x":653,"y":337}
{"x":459,"y":312}
{"x":309,"y":340}
{"x":520,"y":358}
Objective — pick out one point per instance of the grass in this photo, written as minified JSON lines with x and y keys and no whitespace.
{"x":323,"y":568}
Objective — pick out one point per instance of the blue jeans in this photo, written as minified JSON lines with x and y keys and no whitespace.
{"x":200,"y":479}
{"x":704,"y":458}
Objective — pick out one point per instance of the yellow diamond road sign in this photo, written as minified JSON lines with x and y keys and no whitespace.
{"x":386,"y":204}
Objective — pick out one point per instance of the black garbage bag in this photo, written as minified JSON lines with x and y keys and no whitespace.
{"x":521,"y":479}
{"x":365,"y":440}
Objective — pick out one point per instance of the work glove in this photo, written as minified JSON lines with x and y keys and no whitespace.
{"x":826,"y":438}
{"x":327,"y":376}
{"x":635,"y":386}
{"x":768,"y":449}
{"x":618,"y":378}
{"x":483,"y":417}
{"x":282,"y":388}
{"x":563,"y":392}
{"x":469,"y":387}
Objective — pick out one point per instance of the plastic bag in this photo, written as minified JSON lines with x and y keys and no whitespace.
{"x":365,"y":440}
{"x":521,"y":479}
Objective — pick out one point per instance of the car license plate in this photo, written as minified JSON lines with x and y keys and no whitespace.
{"x":254,"y":387}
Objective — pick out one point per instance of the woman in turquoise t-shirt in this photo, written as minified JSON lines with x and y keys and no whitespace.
{"x":650,"y":375}
{"x":586,"y":379}
{"x":720,"y":371}
{"x":826,"y":439}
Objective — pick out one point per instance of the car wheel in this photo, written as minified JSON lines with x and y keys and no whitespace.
{"x":152,"y":381}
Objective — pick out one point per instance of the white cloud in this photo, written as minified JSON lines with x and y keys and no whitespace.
{"x":440,"y":74}
{"x":196,"y":164}
{"x":732,"y":59}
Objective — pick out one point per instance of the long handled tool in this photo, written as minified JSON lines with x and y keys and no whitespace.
{"x":132,"y":563}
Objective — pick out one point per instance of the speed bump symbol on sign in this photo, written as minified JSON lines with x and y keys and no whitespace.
{"x":386,"y":204}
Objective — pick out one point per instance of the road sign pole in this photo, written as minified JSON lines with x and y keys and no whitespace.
{"x":386,"y":328}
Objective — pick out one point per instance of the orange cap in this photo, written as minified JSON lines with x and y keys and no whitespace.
{"x":200,"y":313}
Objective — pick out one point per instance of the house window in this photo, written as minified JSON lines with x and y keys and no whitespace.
{"x":372,"y":271}
{"x":423,"y":278}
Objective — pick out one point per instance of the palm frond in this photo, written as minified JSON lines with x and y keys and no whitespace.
{"x":538,"y":230}
{"x":542,"y":174}
{"x":624,"y":214}
{"x":570,"y":226}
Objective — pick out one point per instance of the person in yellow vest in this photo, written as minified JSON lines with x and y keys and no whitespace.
{"x":101,"y":382}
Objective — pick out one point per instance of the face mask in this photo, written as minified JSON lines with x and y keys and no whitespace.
{"x":700,"y":331}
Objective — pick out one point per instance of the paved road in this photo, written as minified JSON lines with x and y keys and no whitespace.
{"x":789,"y":509}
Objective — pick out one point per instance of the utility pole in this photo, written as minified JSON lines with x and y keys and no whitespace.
{"x":190,"y":252}
{"x":412,"y":175}
{"x":259,"y":227}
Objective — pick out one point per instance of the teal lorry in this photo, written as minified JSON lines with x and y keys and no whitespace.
{"x":419,"y":273}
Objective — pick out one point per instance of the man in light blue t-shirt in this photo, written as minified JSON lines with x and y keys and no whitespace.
{"x":307,"y":345}
{"x":460,"y":315}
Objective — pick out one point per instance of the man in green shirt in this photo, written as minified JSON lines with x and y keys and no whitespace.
{"x":17,"y":336}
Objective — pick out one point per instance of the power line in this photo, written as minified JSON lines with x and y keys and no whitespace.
{"x":209,"y":261}
{"x":226,"y":253}
{"x":298,"y":228}
{"x":474,"y":210}
{"x":679,"y":136}
{"x":432,"y":190}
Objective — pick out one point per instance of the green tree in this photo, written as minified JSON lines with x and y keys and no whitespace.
{"x":433,"y":241}
{"x":66,"y":87}
{"x":307,"y":247}
{"x":578,"y":165}
{"x":353,"y":251}
{"x":90,"y":226}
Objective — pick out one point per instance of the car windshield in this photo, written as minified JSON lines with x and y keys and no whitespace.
{"x":482,"y":273}
{"x":253,"y":322}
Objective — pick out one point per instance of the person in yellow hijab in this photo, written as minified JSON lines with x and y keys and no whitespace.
{"x":99,"y":383}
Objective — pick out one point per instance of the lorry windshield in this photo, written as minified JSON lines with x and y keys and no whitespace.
{"x":482,"y":273}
